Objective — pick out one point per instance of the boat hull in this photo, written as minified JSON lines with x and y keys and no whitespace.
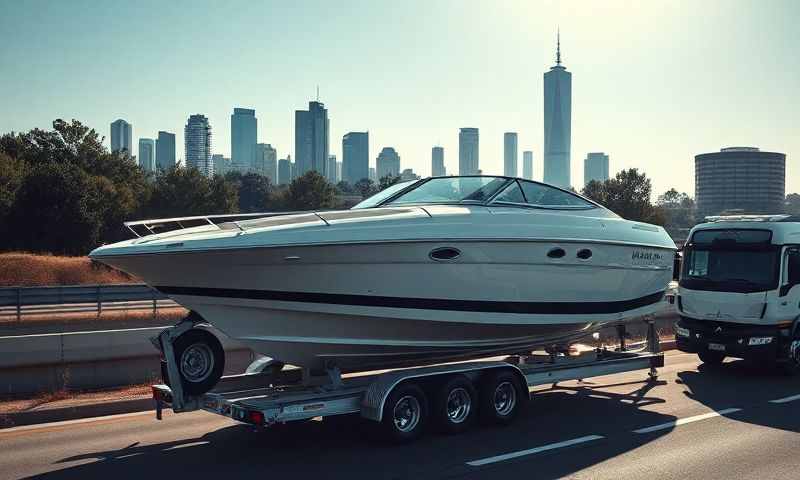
{"x":386,"y":304}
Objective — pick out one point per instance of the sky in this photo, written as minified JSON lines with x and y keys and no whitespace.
{"x":654,"y":83}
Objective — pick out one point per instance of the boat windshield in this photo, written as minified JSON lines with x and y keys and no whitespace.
{"x":379,"y":197}
{"x":452,"y":190}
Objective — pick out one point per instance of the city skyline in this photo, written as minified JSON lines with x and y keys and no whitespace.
{"x":654,"y":82}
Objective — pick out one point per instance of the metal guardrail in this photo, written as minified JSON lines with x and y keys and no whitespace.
{"x":19,"y":301}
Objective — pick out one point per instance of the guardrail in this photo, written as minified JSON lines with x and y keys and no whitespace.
{"x":19,"y":301}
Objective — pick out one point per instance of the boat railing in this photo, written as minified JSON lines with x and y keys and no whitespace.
{"x":143,"y":228}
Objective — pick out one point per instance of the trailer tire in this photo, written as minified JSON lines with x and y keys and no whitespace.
{"x":712,"y":359}
{"x":500,"y":397}
{"x":455,"y":405}
{"x":405,"y":413}
{"x":200,"y":359}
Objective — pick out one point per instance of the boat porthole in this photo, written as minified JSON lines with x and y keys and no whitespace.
{"x":556,"y":253}
{"x":584,"y":254}
{"x":444,"y":254}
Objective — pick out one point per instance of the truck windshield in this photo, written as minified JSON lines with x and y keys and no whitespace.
{"x":731,"y":262}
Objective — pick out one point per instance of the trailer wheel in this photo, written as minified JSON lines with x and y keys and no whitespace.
{"x":712,"y":359}
{"x":455,"y":405}
{"x":200,"y":359}
{"x":501,"y":397}
{"x":405,"y":413}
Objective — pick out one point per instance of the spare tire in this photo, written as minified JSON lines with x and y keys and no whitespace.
{"x":200,"y":359}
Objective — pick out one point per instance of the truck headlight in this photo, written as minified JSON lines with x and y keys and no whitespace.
{"x":759,"y":341}
{"x":681,"y":332}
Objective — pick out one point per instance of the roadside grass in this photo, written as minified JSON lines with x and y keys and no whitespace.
{"x":20,"y":269}
{"x":67,"y":398}
{"x":166,"y":316}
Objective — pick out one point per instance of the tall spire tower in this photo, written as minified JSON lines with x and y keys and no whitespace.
{"x":557,"y":122}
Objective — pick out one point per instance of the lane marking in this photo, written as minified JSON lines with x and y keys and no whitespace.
{"x":684,"y":421}
{"x":531,"y":451}
{"x":786,"y":399}
{"x":67,"y":423}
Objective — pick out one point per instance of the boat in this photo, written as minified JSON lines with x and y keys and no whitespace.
{"x":433,"y":270}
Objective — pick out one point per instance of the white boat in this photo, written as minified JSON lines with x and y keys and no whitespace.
{"x":431,"y":270}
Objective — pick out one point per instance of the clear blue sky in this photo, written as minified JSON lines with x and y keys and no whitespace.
{"x":653,"y":82}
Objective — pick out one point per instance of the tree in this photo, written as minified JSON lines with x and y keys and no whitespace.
{"x":628,"y":195}
{"x":344,"y":187}
{"x":792,"y":204}
{"x":365,"y":187}
{"x":387,"y":181}
{"x":255,"y":193}
{"x":181,"y":192}
{"x":12,"y":174}
{"x":56,"y":210}
{"x":310,"y":192}
{"x":678,"y":208}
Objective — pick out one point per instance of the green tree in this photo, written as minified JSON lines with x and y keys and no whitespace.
{"x":255,"y":193}
{"x":627,"y":195}
{"x":56,"y":210}
{"x":365,"y":187}
{"x":678,"y":208}
{"x":310,"y":192}
{"x":12,"y":174}
{"x":344,"y":187}
{"x":181,"y":192}
{"x":387,"y":181}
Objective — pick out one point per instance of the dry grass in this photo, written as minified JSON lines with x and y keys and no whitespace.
{"x":27,"y":270}
{"x":65,"y":398}
{"x":164,"y":316}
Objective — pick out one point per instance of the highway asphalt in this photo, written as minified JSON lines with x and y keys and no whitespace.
{"x":737,"y":421}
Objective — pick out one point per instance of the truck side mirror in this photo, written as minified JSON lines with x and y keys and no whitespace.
{"x":792,"y":271}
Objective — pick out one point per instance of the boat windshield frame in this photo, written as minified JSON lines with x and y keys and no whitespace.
{"x":491,"y":200}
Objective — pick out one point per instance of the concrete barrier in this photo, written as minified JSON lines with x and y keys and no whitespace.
{"x":32,"y":364}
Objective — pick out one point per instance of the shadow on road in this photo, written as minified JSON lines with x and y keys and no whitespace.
{"x":746,"y":385}
{"x":349,"y":448}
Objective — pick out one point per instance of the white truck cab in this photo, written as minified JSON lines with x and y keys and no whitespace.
{"x":739,"y":290}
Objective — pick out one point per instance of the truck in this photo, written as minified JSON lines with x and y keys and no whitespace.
{"x":739,"y":291}
{"x":403,"y":402}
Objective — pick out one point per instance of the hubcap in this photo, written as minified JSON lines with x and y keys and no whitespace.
{"x":459,"y":405}
{"x":197,"y":361}
{"x":505,"y":398}
{"x":406,"y":413}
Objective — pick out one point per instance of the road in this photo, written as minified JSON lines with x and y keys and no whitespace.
{"x":694,"y":422}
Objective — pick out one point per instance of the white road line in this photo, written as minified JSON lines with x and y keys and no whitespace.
{"x":544,"y":448}
{"x":786,"y":399}
{"x":683,"y":421}
{"x":65,"y":423}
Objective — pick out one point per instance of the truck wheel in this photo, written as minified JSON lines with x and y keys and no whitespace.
{"x":455,"y":405}
{"x":501,"y":397}
{"x":405,"y":413}
{"x":710,"y":358}
{"x":792,"y":365}
{"x":200,"y":359}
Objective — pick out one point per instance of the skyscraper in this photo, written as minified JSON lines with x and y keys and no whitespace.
{"x":355,"y":156}
{"x":387,"y":163}
{"x":165,"y":150}
{"x":372,"y":174}
{"x":265,"y":161}
{"x":147,"y":154}
{"x":527,"y":164}
{"x":510,"y":154}
{"x":311,"y":139}
{"x":557,"y":123}
{"x":468,"y":154}
{"x":331,"y":168}
{"x":197,"y":137}
{"x":595,"y":167}
{"x":284,"y":171}
{"x":437,"y":162}
{"x":244,"y":131}
{"x":121,"y":136}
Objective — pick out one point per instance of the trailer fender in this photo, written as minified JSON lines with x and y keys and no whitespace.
{"x":379,"y":390}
